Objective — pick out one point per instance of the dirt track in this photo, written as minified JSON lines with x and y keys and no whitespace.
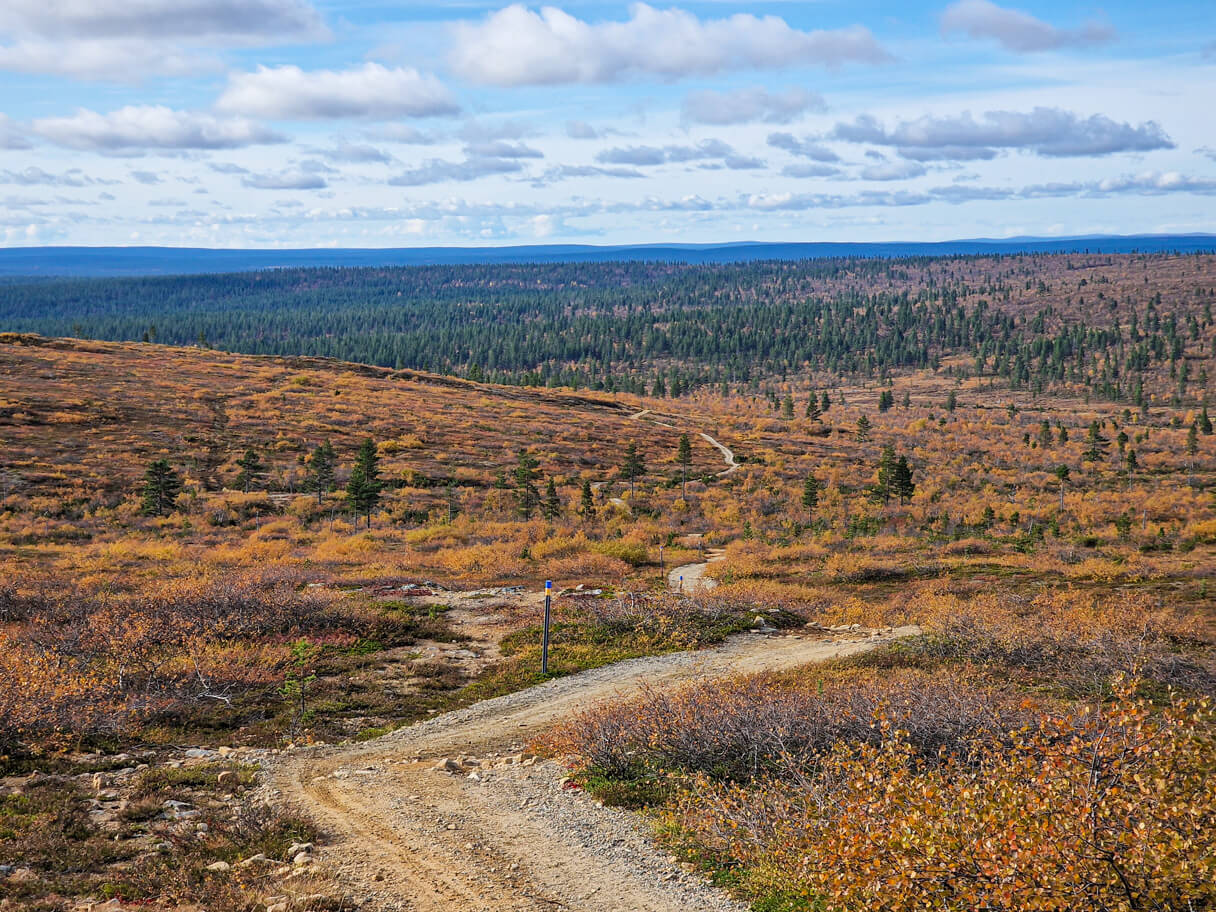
{"x":404,"y":836}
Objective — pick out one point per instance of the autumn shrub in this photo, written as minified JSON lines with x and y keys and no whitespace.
{"x":740,"y":727}
{"x":1107,"y":808}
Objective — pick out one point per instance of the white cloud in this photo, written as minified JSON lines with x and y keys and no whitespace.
{"x":809,"y":169}
{"x":516,"y":46}
{"x":1018,"y":31}
{"x":10,"y":138}
{"x":437,"y":171}
{"x":261,"y":20}
{"x":285,"y":180}
{"x":138,"y":127}
{"x":580,"y":129}
{"x":501,"y":149}
{"x":116,"y":59}
{"x":806,"y":148}
{"x":1049,"y":132}
{"x":655,"y":155}
{"x":747,"y":105}
{"x":887,"y":171}
{"x":370,"y":91}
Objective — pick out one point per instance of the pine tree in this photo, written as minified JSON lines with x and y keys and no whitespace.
{"x":812,"y":408}
{"x":810,"y":493}
{"x":884,"y":485}
{"x":1095,"y":443}
{"x":252,"y":470}
{"x":1192,"y":442}
{"x":825,"y":403}
{"x":863,"y":429}
{"x":162,"y":486}
{"x":587,"y":500}
{"x":321,"y":470}
{"x":1062,"y":473}
{"x":684,"y":458}
{"x":787,"y":407}
{"x":632,"y":467}
{"x":902,"y":484}
{"x":364,"y":485}
{"x":951,"y":401}
{"x":551,"y":506}
{"x":1205,"y":423}
{"x":527,"y":470}
{"x":886,"y":399}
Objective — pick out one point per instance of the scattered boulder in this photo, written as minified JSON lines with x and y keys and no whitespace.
{"x":227,"y":779}
{"x":220,"y":867}
{"x":297,"y":847}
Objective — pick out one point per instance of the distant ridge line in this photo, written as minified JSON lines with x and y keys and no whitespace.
{"x":151,"y":261}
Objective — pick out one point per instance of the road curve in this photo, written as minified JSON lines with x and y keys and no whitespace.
{"x":402,"y":836}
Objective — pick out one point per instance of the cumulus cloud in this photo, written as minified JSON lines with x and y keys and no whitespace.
{"x":888,"y":171}
{"x":501,"y":149}
{"x":126,"y":39}
{"x":747,"y":105}
{"x":1018,"y":31}
{"x":516,"y":46}
{"x":656,"y":155}
{"x":1049,"y":132}
{"x":138,"y":127}
{"x":301,"y":179}
{"x":570,"y":172}
{"x":369,"y":91}
{"x":402,"y":133}
{"x":273,"y":20}
{"x":580,"y":129}
{"x":146,"y":177}
{"x":33,"y":175}
{"x":355,"y":154}
{"x":805,"y":148}
{"x":809,"y":169}
{"x":437,"y":171}
{"x":10,"y":138}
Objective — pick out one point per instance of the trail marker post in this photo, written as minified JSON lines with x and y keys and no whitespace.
{"x":681,"y":582}
{"x":544,"y":646}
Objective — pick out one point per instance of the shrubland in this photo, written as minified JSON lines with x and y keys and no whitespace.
{"x":1044,"y":741}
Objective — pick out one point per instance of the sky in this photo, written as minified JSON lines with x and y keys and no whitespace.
{"x":369,"y":123}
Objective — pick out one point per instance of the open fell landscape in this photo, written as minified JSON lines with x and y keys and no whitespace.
{"x":879,"y":584}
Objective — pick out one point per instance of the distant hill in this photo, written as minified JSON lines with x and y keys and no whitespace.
{"x":137,"y":261}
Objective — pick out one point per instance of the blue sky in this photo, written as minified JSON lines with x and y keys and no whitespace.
{"x":364,"y":123}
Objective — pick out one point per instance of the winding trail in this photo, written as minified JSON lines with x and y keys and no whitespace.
{"x":403,"y":836}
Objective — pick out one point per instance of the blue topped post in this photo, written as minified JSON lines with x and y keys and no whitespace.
{"x":544,"y":647}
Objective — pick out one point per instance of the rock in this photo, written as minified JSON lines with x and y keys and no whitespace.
{"x":303,"y":858}
{"x":22,"y":875}
{"x":448,"y":765}
{"x":224,"y":751}
{"x":199,"y":753}
{"x":98,"y":782}
{"x":219,"y":867}
{"x":259,"y":858}
{"x":227,"y":779}
{"x":278,"y":907}
{"x":298,"y":847}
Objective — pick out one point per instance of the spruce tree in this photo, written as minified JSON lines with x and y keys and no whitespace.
{"x":951,"y":401}
{"x":810,"y":493}
{"x":1095,"y":443}
{"x":787,"y":407}
{"x":902,"y":484}
{"x":684,"y":458}
{"x":825,"y":403}
{"x":863,"y":429}
{"x":1192,"y":442}
{"x":1205,"y":423}
{"x":812,"y":408}
{"x":162,"y":486}
{"x":1062,"y":473}
{"x":884,"y":486}
{"x":252,"y":470}
{"x":527,"y":496}
{"x":632,"y":466}
{"x":587,"y":500}
{"x":364,"y":485}
{"x":321,"y":470}
{"x":551,"y":506}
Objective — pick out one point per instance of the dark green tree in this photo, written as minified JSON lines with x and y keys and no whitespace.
{"x":1205,"y":423}
{"x":951,"y":401}
{"x":252,"y":470}
{"x":825,"y":403}
{"x":885,"y":478}
{"x":812,"y":408}
{"x":551,"y":506}
{"x":364,"y":486}
{"x":1062,"y":473}
{"x":586,"y":504}
{"x":632,"y":466}
{"x":863,"y":429}
{"x":886,"y":399}
{"x":322,"y":466}
{"x":527,"y":471}
{"x":810,"y":493}
{"x":1192,"y":442}
{"x":902,"y":485}
{"x":162,"y":486}
{"x":1095,"y":443}
{"x":684,"y":458}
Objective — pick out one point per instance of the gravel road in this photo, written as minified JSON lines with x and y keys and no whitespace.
{"x":508,"y":835}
